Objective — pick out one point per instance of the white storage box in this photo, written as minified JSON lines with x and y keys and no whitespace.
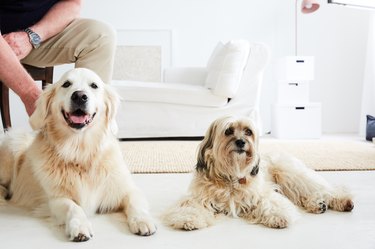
{"x":296,"y":68}
{"x":296,"y":121}
{"x":291,"y":93}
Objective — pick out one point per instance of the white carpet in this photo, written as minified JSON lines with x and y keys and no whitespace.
{"x":334,"y":230}
{"x":180,"y":156}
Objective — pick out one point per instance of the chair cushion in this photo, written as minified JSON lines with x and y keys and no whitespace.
{"x":171,"y":93}
{"x":225,"y":67}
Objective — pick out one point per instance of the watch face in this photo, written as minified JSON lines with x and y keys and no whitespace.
{"x":35,"y":38}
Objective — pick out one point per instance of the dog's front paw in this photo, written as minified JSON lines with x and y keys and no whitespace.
{"x":189,"y":216}
{"x":186,"y":221}
{"x":278,"y":222}
{"x":143,"y":226}
{"x":79,"y":230}
{"x":193,"y":224}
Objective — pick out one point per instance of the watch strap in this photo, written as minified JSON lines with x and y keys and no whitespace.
{"x":32,"y":34}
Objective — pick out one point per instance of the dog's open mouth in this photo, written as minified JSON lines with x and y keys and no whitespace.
{"x":77,"y":119}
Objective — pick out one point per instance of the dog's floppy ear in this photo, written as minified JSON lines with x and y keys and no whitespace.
{"x":205,"y":145}
{"x":38,"y":119}
{"x":112,"y":102}
{"x":255,"y":135}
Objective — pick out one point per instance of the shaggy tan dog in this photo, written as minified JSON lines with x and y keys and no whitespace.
{"x":71,"y":166}
{"x":233,"y":180}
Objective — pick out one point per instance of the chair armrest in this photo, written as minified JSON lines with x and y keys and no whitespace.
{"x":186,"y":75}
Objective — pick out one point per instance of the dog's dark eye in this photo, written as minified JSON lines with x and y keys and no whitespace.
{"x":229,"y":131}
{"x":67,"y":84}
{"x":94,"y":86}
{"x":248,"y":132}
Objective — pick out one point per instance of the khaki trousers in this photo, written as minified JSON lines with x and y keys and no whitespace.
{"x":84,"y":42}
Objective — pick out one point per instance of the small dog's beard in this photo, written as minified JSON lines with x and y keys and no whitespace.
{"x":232,"y":163}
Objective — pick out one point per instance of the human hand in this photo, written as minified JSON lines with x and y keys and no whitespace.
{"x":19,"y":43}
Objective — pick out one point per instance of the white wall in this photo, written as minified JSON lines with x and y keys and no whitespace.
{"x":335,"y":35}
{"x":338,"y":39}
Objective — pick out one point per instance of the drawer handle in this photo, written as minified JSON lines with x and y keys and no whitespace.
{"x":300,"y":108}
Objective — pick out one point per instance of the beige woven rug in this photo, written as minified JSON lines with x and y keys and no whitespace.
{"x":180,"y":156}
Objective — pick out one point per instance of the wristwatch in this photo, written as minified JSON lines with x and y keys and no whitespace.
{"x":35,"y":39}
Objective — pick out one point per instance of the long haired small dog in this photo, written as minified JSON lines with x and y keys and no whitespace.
{"x":71,"y":166}
{"x":233,"y":180}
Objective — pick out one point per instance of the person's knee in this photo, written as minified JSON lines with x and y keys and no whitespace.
{"x":101,"y":30}
{"x":97,"y":51}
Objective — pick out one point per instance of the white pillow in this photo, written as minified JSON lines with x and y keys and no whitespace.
{"x":212,"y":61}
{"x":215,"y":53}
{"x":225,"y":68}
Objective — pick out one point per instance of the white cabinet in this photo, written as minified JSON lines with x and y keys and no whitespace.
{"x":293,"y":115}
{"x":296,"y":121}
{"x":296,"y":68}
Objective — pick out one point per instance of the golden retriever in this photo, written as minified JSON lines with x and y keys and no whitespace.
{"x":71,"y":166}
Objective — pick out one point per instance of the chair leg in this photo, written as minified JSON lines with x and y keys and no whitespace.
{"x":4,"y":106}
{"x":48,"y":77}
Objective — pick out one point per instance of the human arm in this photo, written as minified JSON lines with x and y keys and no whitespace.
{"x":14,"y":76}
{"x":55,"y":20}
{"x":16,"y":46}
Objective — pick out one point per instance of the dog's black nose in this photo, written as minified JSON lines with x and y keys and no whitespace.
{"x":79,"y":97}
{"x":240,"y":143}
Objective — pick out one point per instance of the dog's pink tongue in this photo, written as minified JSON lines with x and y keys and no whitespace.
{"x":78,"y":119}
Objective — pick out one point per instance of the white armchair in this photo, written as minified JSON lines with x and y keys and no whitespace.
{"x":189,"y":99}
